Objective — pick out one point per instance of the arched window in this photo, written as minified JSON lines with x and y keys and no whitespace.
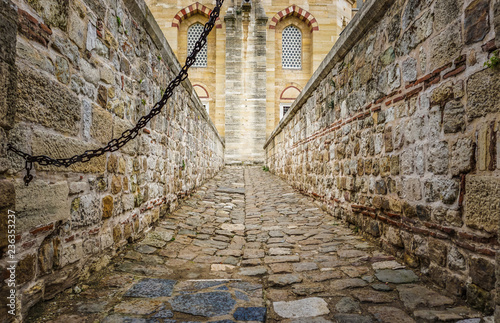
{"x":291,"y":50}
{"x":193,"y":34}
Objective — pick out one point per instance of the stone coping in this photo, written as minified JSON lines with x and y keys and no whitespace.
{"x":367,"y":16}
{"x":141,"y":13}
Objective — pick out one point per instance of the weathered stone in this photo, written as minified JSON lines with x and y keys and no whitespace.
{"x":58,"y":146}
{"x":371,"y":296}
{"x":461,"y":156}
{"x":402,"y":276}
{"x":204,"y":304}
{"x":482,"y":272}
{"x":441,"y":55}
{"x":481,"y":100}
{"x":139,"y":307}
{"x":446,"y":11}
{"x":102,"y":125}
{"x":341,"y":284}
{"x":53,"y":12}
{"x":453,"y":117}
{"x":151,"y":287}
{"x":420,"y":31}
{"x":388,"y":314}
{"x":250,"y":314}
{"x":409,"y":68}
{"x":107,"y":206}
{"x":47,"y":201}
{"x":306,"y":307}
{"x":347,"y":305}
{"x":476,"y":23}
{"x":284,"y":279}
{"x":481,"y":202}
{"x":253,"y":271}
{"x":85,"y":210}
{"x":414,"y":296}
{"x":47,"y":102}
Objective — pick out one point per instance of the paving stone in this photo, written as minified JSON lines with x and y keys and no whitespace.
{"x":280,"y":268}
{"x":279,"y":251}
{"x":401,"y":276}
{"x":352,"y":318}
{"x":230,"y":190}
{"x":354,"y":272}
{"x":151,"y":287}
{"x":253,"y":253}
{"x":308,"y":289}
{"x":326,"y":275}
{"x":253,"y":271}
{"x":382,"y":287}
{"x":311,"y":320}
{"x":284,"y":279}
{"x":414,"y":296}
{"x":250,"y":314}
{"x":204,"y":304}
{"x":145,"y":249}
{"x":341,"y":284}
{"x":351,"y":253}
{"x":347,"y":305}
{"x":371,"y":296}
{"x":305,"y":266}
{"x":306,"y":307}
{"x":241,"y":295}
{"x":139,"y":307}
{"x":387,"y":265}
{"x":387,"y":314}
{"x":276,"y":259}
{"x":164,"y":314}
{"x":233,"y":227}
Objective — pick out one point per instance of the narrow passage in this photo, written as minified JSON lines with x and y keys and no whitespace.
{"x":247,"y":247}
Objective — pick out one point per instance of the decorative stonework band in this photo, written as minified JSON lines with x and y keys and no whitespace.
{"x":195,"y":8}
{"x":298,"y":12}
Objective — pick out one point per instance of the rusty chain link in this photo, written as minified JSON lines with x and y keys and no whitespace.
{"x":128,"y":134}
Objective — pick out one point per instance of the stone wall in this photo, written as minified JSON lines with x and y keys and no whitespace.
{"x":398,"y":134}
{"x":73,"y":75}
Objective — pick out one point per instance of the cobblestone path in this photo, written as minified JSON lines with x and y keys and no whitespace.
{"x":247,"y":247}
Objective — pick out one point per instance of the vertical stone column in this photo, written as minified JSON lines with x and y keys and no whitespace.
{"x":245,"y":104}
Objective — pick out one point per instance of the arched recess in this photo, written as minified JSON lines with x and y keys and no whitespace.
{"x":287,"y":96}
{"x":203,"y":94}
{"x":298,"y":12}
{"x":195,"y":8}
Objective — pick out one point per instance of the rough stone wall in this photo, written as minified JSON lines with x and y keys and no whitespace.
{"x":73,"y":75}
{"x":398,"y":134}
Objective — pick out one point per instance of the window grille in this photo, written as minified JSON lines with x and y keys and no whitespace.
{"x":193,"y":34}
{"x":291,"y":51}
{"x":284,"y":107}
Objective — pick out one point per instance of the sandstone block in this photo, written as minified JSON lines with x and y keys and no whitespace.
{"x":47,"y":102}
{"x":481,"y":99}
{"x":101,"y":128}
{"x":40,"y":203}
{"x":482,"y":197}
{"x":58,"y":146}
{"x":446,"y":46}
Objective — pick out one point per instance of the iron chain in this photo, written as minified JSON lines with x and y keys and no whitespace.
{"x":128,"y":134}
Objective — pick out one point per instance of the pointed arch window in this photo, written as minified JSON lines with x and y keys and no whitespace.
{"x":291,"y":51}
{"x":193,"y":33}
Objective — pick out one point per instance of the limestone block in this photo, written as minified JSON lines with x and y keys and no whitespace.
{"x":101,"y":128}
{"x":40,"y":203}
{"x":481,"y":96}
{"x":85,"y":210}
{"x":57,"y":146}
{"x":438,"y":158}
{"x":445,"y":11}
{"x":46,"y":102}
{"x":446,"y":46}
{"x":53,"y":12}
{"x":482,"y":198}
{"x":441,"y":189}
{"x":461,"y":156}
